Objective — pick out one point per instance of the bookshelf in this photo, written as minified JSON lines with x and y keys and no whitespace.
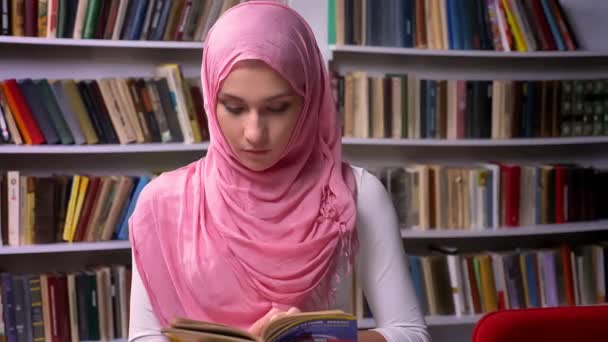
{"x":23,"y":57}
{"x":590,"y":61}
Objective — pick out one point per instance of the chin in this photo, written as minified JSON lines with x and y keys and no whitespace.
{"x":256,"y":165}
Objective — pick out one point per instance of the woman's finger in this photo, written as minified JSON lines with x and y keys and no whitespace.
{"x":256,"y":328}
{"x":293,"y":310}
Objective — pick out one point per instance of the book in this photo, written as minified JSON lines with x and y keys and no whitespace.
{"x":332,"y":325}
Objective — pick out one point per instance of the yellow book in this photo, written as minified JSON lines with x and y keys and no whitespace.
{"x":186,"y":118}
{"x":306,"y":326}
{"x":184,"y":88}
{"x":71,"y":207}
{"x":82,"y":115}
{"x":82,"y":192}
{"x":487,"y":283}
{"x":522,"y":267}
{"x":30,"y":202}
{"x":520,"y":43}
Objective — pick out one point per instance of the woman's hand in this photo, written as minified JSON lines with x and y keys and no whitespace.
{"x":274,"y":313}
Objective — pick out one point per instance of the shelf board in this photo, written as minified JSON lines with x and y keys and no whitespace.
{"x":94,"y":149}
{"x":476,"y":142}
{"x":543,"y":229}
{"x":66,"y":247}
{"x":138,"y":44}
{"x":369,"y":323}
{"x":381,"y":50}
{"x":347,"y":142}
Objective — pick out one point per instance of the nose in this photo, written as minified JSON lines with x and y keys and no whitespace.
{"x":255,"y":129}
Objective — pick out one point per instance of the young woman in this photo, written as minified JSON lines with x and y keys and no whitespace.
{"x":272,"y":220}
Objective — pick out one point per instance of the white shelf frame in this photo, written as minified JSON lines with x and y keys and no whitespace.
{"x":477,"y":142}
{"x":180,"y":147}
{"x":541,"y":229}
{"x":139,"y":44}
{"x":548,"y":229}
{"x":102,"y":148}
{"x":66,"y":247}
{"x":383,"y":50}
{"x":438,"y":320}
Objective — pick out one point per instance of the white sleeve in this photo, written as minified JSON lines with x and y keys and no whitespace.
{"x":143,"y":324}
{"x":382,"y":266}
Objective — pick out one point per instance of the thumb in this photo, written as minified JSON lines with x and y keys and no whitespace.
{"x":256,"y":328}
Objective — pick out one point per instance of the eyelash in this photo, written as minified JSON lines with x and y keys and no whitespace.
{"x":238,"y":110}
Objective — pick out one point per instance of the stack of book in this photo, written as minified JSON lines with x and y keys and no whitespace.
{"x":166,"y":20}
{"x":448,"y":282}
{"x":492,"y":196}
{"x":163,"y":108}
{"x":58,"y":208}
{"x":88,"y":305}
{"x":407,"y":106}
{"x":500,"y":25}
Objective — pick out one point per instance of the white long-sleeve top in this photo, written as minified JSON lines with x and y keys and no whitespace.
{"x":381,"y":269}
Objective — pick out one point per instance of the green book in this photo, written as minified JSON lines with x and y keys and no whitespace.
{"x":57,"y":118}
{"x":62,"y":19}
{"x":90,"y":21}
{"x":331,"y":22}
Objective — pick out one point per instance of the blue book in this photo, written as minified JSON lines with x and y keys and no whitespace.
{"x":8,"y":303}
{"x":452,"y":17}
{"x":398,"y":23}
{"x":553,"y":26}
{"x":532,"y":279}
{"x":408,"y":17}
{"x":418,"y":279}
{"x":159,"y":31}
{"x":490,"y":198}
{"x":466,"y":24}
{"x":128,"y":21}
{"x":39,"y":111}
{"x":431,"y":106}
{"x":123,"y":230}
{"x":538,"y":196}
{"x":138,"y":19}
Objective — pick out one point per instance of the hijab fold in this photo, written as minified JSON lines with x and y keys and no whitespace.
{"x":219,"y":242}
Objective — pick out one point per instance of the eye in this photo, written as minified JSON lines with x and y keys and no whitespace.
{"x":233,"y":107}
{"x":279,"y":107}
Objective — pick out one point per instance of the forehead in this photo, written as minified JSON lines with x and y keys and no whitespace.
{"x":253,"y":79}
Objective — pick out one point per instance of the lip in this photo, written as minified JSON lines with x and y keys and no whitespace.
{"x":256,"y":152}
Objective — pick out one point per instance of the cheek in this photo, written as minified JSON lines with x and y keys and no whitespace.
{"x":228,"y":125}
{"x":287,"y":125}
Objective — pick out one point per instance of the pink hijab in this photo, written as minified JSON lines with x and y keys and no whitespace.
{"x":216,"y":241}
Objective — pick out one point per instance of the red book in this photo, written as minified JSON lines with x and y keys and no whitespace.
{"x":561,"y":176}
{"x":545,"y":31}
{"x":199,"y":107}
{"x":565,"y":252}
{"x":31,"y":18}
{"x":13,"y":92}
{"x":562,"y":25}
{"x":60,"y":314}
{"x":510,"y":175}
{"x":181,"y":26}
{"x":87,"y":209}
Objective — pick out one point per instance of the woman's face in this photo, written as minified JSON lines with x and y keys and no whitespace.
{"x":257,"y":111}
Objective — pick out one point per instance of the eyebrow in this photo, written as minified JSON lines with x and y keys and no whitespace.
{"x":270,"y":98}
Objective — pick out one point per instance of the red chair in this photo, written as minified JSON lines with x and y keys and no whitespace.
{"x":562,"y":324}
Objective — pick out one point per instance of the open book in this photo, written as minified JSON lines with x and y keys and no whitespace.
{"x":330,"y":326}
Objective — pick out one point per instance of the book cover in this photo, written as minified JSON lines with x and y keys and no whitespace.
{"x":311,"y":326}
